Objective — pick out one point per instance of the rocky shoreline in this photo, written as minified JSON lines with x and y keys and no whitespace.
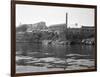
{"x":68,"y":42}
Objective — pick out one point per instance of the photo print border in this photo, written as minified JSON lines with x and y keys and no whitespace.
{"x":13,"y":36}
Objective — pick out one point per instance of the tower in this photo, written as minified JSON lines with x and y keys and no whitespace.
{"x":66,"y":20}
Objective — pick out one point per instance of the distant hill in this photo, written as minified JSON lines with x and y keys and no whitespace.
{"x":37,"y":26}
{"x":31,"y":27}
{"x":40,"y":26}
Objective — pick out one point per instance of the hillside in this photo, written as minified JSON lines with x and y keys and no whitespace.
{"x":31,"y":27}
{"x":39,"y":32}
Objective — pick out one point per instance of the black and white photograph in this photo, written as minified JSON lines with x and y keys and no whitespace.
{"x":54,"y":38}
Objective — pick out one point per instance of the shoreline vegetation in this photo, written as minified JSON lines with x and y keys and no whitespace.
{"x":55,"y":34}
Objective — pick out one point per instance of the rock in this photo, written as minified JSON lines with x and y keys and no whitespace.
{"x":89,"y":41}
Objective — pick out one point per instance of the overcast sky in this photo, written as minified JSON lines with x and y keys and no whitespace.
{"x":30,"y":14}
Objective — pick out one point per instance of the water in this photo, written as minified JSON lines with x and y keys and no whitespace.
{"x":33,"y":57}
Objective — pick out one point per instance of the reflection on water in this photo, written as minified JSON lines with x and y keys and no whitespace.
{"x":37,"y":57}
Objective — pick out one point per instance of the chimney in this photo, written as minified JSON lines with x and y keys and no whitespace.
{"x":66,"y":19}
